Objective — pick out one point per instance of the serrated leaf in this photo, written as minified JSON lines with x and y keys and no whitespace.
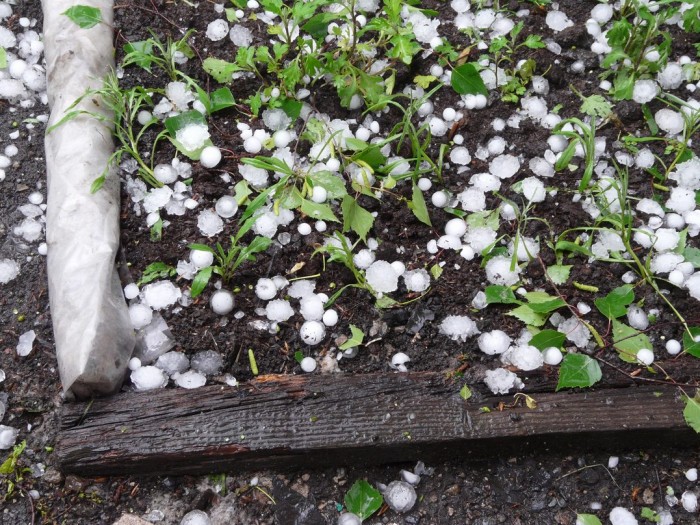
{"x":84,"y":16}
{"x":355,"y":339}
{"x":483,"y":219}
{"x":692,"y":255}
{"x":497,"y":294}
{"x":578,"y":371}
{"x":615,"y":303}
{"x":534,"y":42}
{"x":318,"y":210}
{"x":587,"y":519}
{"x":528,"y":316}
{"x":363,"y":499}
{"x":221,"y":70}
{"x":424,"y":81}
{"x":465,"y":393}
{"x":334,"y":185}
{"x":559,"y":273}
{"x":628,"y":341}
{"x":547,"y":339}
{"x":466,"y":80}
{"x":596,"y":106}
{"x":691,"y":413}
{"x":200,"y":281}
{"x":690,"y":346}
{"x":356,"y":218}
{"x":650,"y":514}
{"x":418,"y":207}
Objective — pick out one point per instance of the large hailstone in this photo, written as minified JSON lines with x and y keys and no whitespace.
{"x":458,"y":327}
{"x":382,"y":277}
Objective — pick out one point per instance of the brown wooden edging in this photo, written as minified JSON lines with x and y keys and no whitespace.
{"x":311,"y":420}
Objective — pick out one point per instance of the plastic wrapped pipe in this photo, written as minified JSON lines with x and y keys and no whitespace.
{"x":94,"y":336}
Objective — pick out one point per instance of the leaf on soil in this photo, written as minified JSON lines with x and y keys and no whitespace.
{"x":587,"y":519}
{"x":356,"y":218}
{"x":424,"y":81}
{"x":3,"y":58}
{"x":356,"y":338}
{"x":547,"y":339}
{"x":465,"y":393}
{"x":221,"y":70}
{"x":628,"y":341}
{"x":436,"y":271}
{"x":156,"y":270}
{"x":497,"y":294}
{"x":545,"y":307}
{"x":220,"y":99}
{"x":596,"y":106}
{"x":318,"y":211}
{"x":615,"y":304}
{"x":466,"y":80}
{"x":692,"y":255}
{"x":418,"y":207}
{"x":484,"y":219}
{"x":528,"y":316}
{"x":200,"y":281}
{"x":690,"y":345}
{"x":649,"y":514}
{"x":691,"y":413}
{"x":578,"y":370}
{"x":84,"y":16}
{"x":559,"y":273}
{"x":363,"y":499}
{"x":334,"y":185}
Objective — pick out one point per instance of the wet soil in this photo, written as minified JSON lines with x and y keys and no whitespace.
{"x":536,"y":487}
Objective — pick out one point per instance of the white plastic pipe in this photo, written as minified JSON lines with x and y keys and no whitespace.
{"x":94,"y":337}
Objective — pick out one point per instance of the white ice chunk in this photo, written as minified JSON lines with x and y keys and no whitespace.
{"x":209,"y":223}
{"x":8,"y":436}
{"x":498,"y":271}
{"x":501,"y":381}
{"x":557,"y":21}
{"x":196,"y":517}
{"x":207,"y":362}
{"x":160,"y":295}
{"x":278,"y":310}
{"x":217,"y":30}
{"x":416,"y":280}
{"x":9,"y":270}
{"x":173,"y":363}
{"x":622,"y":516}
{"x":148,"y":378}
{"x":494,"y":342}
{"x":504,"y":166}
{"x":458,"y":327}
{"x":400,"y":496}
{"x":382,"y":277}
{"x":575,"y":331}
{"x":190,"y":380}
{"x":524,"y":357}
{"x":25,"y":343}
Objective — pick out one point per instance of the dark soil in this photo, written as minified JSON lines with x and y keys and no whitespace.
{"x":536,"y":487}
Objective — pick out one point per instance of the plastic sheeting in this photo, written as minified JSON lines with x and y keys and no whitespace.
{"x":94,"y":336}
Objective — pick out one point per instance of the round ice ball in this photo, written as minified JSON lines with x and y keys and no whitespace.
{"x":201,"y":258}
{"x":312,"y":332}
{"x":222,"y":302}
{"x":140,"y":315}
{"x":308,"y":364}
{"x":645,"y":356}
{"x":552,"y":356}
{"x":210,"y":157}
{"x":226,"y":207}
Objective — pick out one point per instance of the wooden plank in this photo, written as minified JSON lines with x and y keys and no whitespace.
{"x":295,"y":421}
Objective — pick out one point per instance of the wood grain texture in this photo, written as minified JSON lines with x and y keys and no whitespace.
{"x":295,"y":421}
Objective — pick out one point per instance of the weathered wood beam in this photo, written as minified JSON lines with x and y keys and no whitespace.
{"x":301,"y":421}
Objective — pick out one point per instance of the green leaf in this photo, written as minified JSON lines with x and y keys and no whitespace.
{"x":424,"y":81}
{"x":465,"y":393}
{"x":466,"y":80}
{"x":156,"y":270}
{"x":578,"y":371}
{"x":436,"y":271}
{"x":200,"y":281}
{"x":545,"y":307}
{"x":559,"y":273}
{"x":548,"y":338}
{"x":528,"y":316}
{"x":139,"y":53}
{"x":649,"y":514}
{"x":317,"y":25}
{"x":3,"y":58}
{"x":404,"y":48}
{"x":176,"y":123}
{"x":417,"y":206}
{"x":97,"y":184}
{"x":497,"y":294}
{"x":484,"y":219}
{"x":157,"y":230}
{"x":534,"y":42}
{"x":628,"y":341}
{"x":334,"y":185}
{"x":691,"y":413}
{"x":291,"y":107}
{"x":615,"y":303}
{"x":596,"y":106}
{"x":318,"y":211}
{"x":356,"y":218}
{"x":384,"y":302}
{"x":84,"y":16}
{"x":363,"y":499}
{"x":692,"y":255}
{"x":356,"y":338}
{"x":241,"y":191}
{"x":689,"y":345}
{"x":587,"y":519}
{"x":221,"y":70}
{"x":299,"y":356}
{"x":222,"y":98}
